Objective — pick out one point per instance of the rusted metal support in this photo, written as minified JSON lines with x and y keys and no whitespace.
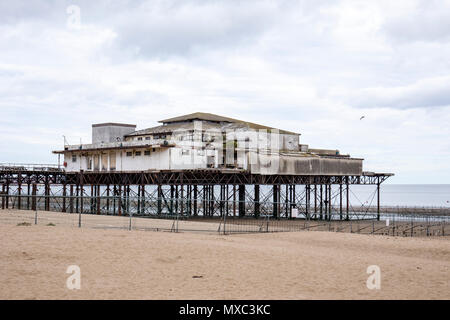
{"x":182,"y":199}
{"x":120,"y":200}
{"x":107,"y":199}
{"x":33,"y":197}
{"x":329,"y":202}
{"x":340,"y":201}
{"x":315,"y":201}
{"x":378,"y":200}
{"x":98,"y":206}
{"x":159,"y":192}
{"x":308,"y":200}
{"x":256,"y":200}
{"x":321,"y":202}
{"x":29,"y":195}
{"x":142,"y":198}
{"x":241,"y":200}
{"x":64,"y":198}
{"x":195,"y":200}
{"x":347,"y":195}
{"x":275,"y":201}
{"x":19,"y":191}
{"x":3,"y":196}
{"x":71,"y":199}
{"x":47,"y":194}
{"x":286,"y":202}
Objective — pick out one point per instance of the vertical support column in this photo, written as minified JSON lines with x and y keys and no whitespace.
{"x":227,"y":202}
{"x":3,"y":196}
{"x":378,"y":199}
{"x":64,"y":198}
{"x":47,"y":194}
{"x":329,"y":202}
{"x":159,"y":199}
{"x":195,"y":200}
{"x":142,"y":198}
{"x":221,"y":201}
{"x":234,"y":200}
{"x":92,"y":199}
{"x":114,"y":199}
{"x":347,"y":195}
{"x":81,"y":192}
{"x":205,"y":200}
{"x":19,"y":191}
{"x":128,"y":199}
{"x":211,"y":198}
{"x":33,"y":197}
{"x":71,"y":199}
{"x":77,"y":199}
{"x":241,"y":200}
{"x":308,"y":200}
{"x":172,"y":195}
{"x":256,"y":200}
{"x":28,"y":193}
{"x":287,"y":203}
{"x":98,"y":200}
{"x":182,"y":199}
{"x":315,"y":200}
{"x":107,"y":199}
{"x":138,"y":209}
{"x":7,"y":193}
{"x":120,"y":200}
{"x":340,"y":200}
{"x":321,"y":201}
{"x":275,"y":201}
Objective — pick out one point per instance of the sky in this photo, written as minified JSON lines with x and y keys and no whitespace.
{"x":312,"y":67}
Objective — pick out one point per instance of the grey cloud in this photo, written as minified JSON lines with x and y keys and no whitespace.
{"x":426,"y":93}
{"x":430,"y":21}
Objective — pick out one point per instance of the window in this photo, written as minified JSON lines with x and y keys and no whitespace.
{"x":185,"y":152}
{"x":148,"y":138}
{"x":129,"y":154}
{"x":146,"y":152}
{"x":89,"y":163}
{"x":201,"y":152}
{"x":153,"y":150}
{"x":74,"y":158}
{"x":137,"y":153}
{"x":140,"y":139}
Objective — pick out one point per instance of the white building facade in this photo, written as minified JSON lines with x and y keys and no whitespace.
{"x":202,"y":141}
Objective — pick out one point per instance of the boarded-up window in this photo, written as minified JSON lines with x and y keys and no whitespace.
{"x":112,"y":161}
{"x":96,"y":162}
{"x":104,"y":162}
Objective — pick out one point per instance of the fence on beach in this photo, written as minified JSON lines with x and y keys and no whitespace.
{"x":175,"y":215}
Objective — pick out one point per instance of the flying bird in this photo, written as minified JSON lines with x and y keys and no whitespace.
{"x":362,"y":117}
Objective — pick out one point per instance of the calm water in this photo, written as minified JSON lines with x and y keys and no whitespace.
{"x":436,"y":195}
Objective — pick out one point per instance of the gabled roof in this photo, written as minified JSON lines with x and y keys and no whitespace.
{"x":216,"y":118}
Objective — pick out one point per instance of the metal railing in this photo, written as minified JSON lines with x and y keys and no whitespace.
{"x":31,"y":166}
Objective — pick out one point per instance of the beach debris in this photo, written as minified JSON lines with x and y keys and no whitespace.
{"x":197,"y":277}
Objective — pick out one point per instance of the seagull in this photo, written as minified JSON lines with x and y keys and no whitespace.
{"x":362,"y":117}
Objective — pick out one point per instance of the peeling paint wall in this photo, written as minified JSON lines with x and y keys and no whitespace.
{"x":301,"y":165}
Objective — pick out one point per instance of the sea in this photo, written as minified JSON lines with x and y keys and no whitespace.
{"x":406,"y":195}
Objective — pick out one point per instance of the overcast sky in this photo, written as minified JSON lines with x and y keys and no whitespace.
{"x":313,"y":67}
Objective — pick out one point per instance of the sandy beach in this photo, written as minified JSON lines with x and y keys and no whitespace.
{"x":122,"y":264}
